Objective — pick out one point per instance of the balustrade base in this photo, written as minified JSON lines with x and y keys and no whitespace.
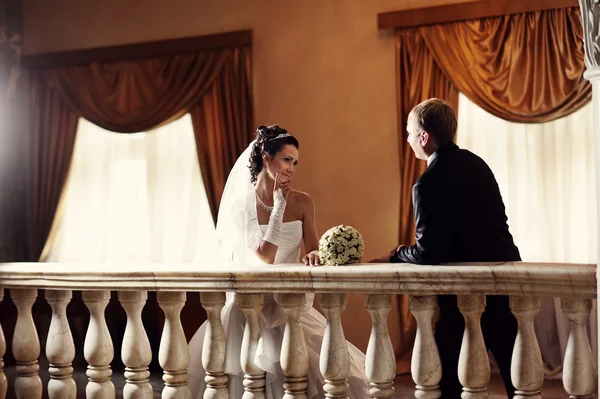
{"x":403,"y":384}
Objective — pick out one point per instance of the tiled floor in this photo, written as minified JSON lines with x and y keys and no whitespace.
{"x":81,"y":381}
{"x":552,"y":389}
{"x":404,"y":386}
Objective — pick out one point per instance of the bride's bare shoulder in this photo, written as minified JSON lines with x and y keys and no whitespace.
{"x":301,"y":198}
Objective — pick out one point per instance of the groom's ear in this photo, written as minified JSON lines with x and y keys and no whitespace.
{"x":425,"y":138}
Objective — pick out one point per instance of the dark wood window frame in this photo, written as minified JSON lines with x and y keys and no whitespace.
{"x":465,"y":11}
{"x":137,"y":50}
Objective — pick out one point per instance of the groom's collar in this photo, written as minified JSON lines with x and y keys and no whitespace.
{"x":431,"y":158}
{"x":446,"y":147}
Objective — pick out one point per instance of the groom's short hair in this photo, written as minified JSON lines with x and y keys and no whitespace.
{"x":437,"y":118}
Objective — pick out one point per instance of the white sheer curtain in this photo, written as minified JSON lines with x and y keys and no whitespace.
{"x":134,"y":197}
{"x":546,"y":173}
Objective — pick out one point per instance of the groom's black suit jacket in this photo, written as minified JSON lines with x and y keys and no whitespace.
{"x":459,"y":213}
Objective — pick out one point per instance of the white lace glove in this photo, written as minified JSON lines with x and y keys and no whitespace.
{"x":273,"y":233}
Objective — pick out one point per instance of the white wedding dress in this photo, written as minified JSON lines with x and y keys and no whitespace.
{"x":272,"y":326}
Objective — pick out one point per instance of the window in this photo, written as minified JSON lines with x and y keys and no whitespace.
{"x":133,"y":197}
{"x":547,"y":177}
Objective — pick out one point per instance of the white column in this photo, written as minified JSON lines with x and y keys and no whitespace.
{"x":426,"y":366}
{"x":135,"y":352}
{"x":26,"y":346}
{"x":214,"y":346}
{"x":590,"y":18}
{"x":98,"y":348}
{"x":3,"y":381}
{"x":527,"y":369}
{"x":60,"y":349}
{"x":254,"y":377}
{"x":380,"y":361}
{"x":173,"y":354}
{"x":334,"y":359}
{"x":294,"y":354}
{"x":579,"y":370}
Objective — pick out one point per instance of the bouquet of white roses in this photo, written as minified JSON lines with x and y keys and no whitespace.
{"x":341,"y":245}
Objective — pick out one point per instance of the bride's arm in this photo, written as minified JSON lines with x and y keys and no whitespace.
{"x":267,"y":249}
{"x":311,"y":241}
{"x":266,"y":252}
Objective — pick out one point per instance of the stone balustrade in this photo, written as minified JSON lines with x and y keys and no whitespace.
{"x":524,"y":282}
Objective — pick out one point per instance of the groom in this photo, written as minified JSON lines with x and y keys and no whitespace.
{"x":459,"y":217}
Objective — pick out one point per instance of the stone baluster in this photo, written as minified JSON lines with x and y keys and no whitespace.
{"x":214,"y":346}
{"x":135,"y":352}
{"x":26,"y":346}
{"x":426,"y":366}
{"x":254,"y":377}
{"x":579,"y":371}
{"x":527,"y":369}
{"x":473,"y":363}
{"x":60,"y":349}
{"x":380,"y":360}
{"x":3,"y":381}
{"x":294,"y":354}
{"x":173,"y":353}
{"x":98,"y":348}
{"x":334,"y":360}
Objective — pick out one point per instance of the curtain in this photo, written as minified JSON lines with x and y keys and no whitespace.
{"x":53,"y":126}
{"x":222,"y":122}
{"x":522,"y":68}
{"x":546,"y":174}
{"x":180,"y":218}
{"x":134,"y":96}
{"x":134,"y":198}
{"x":418,"y":78}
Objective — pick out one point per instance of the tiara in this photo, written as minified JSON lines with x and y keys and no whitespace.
{"x":282,"y":135}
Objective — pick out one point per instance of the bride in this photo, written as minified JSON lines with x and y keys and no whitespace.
{"x":263,"y":220}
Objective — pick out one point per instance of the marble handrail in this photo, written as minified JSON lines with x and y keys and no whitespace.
{"x":517,"y":278}
{"x":525,"y":282}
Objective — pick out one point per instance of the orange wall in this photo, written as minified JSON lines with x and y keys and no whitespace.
{"x":321,"y":69}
